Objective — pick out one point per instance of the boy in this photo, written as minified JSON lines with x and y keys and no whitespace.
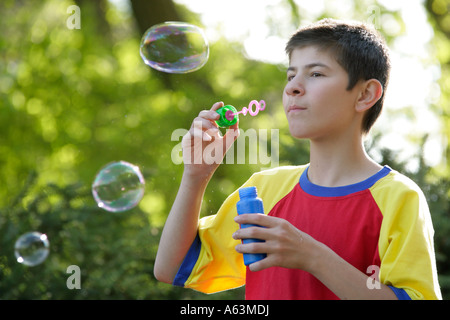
{"x":341,"y":226}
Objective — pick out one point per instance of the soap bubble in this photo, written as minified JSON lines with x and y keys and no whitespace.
{"x":32,"y":248}
{"x":174,"y":47}
{"x":119,"y":186}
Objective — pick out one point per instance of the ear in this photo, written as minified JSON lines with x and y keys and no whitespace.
{"x":371,"y":92}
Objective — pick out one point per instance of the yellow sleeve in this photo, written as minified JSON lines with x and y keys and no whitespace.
{"x":406,"y":244}
{"x":212,"y":263}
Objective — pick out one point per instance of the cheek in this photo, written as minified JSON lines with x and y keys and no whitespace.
{"x":327,"y":96}
{"x":285,"y":99}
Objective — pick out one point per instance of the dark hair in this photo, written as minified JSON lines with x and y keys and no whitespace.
{"x":357,"y":47}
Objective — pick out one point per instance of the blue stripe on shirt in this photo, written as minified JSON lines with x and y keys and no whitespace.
{"x":400,"y":293}
{"x":188,"y":263}
{"x":320,"y":191}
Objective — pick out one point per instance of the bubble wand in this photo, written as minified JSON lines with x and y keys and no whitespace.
{"x":229,"y":114}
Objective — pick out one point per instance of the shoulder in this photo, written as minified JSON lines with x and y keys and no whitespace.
{"x":406,"y":237}
{"x":396,"y":183}
{"x":274,"y":184}
{"x":398,"y":193}
{"x":280,"y":177}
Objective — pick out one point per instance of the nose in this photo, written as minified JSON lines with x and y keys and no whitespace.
{"x":294,"y":88}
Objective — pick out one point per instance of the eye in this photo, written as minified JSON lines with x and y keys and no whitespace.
{"x":316,"y":74}
{"x":290,"y":77}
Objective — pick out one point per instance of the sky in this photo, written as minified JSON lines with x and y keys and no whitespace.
{"x":261,"y":26}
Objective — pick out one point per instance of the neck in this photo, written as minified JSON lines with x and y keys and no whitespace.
{"x":340,"y":161}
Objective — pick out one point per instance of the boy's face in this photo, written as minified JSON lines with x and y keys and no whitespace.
{"x":315,"y":98}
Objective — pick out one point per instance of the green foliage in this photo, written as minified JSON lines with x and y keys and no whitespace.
{"x":438,"y":12}
{"x":72,"y":101}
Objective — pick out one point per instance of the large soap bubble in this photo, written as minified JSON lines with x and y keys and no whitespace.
{"x":31,"y":248}
{"x":119,"y":186}
{"x":174,"y":47}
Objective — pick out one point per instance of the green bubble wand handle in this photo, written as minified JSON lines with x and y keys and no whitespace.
{"x":229,"y":114}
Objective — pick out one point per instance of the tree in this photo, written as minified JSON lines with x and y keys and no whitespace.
{"x":438,"y":179}
{"x":74,"y":100}
{"x":438,"y":15}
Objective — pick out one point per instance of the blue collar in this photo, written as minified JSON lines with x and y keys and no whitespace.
{"x":319,"y":191}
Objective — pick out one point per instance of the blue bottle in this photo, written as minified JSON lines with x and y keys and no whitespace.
{"x":250,"y":203}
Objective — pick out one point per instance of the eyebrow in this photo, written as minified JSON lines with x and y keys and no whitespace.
{"x":309,"y":66}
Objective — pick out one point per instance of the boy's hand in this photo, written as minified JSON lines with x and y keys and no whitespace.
{"x":288,"y":247}
{"x":203,"y":146}
{"x":285,"y":245}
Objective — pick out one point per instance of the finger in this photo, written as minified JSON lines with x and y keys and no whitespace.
{"x":252,"y":232}
{"x":260,"y":265}
{"x":235,"y":126}
{"x":197,"y":134}
{"x":253,"y":247}
{"x":217,"y":106}
{"x":204,"y":124}
{"x":258,"y":218}
{"x":209,"y":115}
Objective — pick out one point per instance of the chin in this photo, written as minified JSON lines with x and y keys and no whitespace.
{"x":299,"y":133}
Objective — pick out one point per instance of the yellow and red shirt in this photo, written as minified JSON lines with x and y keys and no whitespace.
{"x":382,"y":223}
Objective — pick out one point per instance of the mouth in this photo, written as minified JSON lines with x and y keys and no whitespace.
{"x":295,"y":108}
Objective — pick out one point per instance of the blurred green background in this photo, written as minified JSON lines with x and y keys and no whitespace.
{"x":73,"y":100}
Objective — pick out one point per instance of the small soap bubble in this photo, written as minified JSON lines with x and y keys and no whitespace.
{"x":119,"y":186}
{"x":174,"y":47}
{"x":32,"y":248}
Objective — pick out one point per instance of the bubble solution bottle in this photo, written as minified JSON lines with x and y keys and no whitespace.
{"x":250,"y":203}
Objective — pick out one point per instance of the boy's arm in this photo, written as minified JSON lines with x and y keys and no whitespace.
{"x":180,"y":228}
{"x":346,"y":281}
{"x":199,"y":166}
